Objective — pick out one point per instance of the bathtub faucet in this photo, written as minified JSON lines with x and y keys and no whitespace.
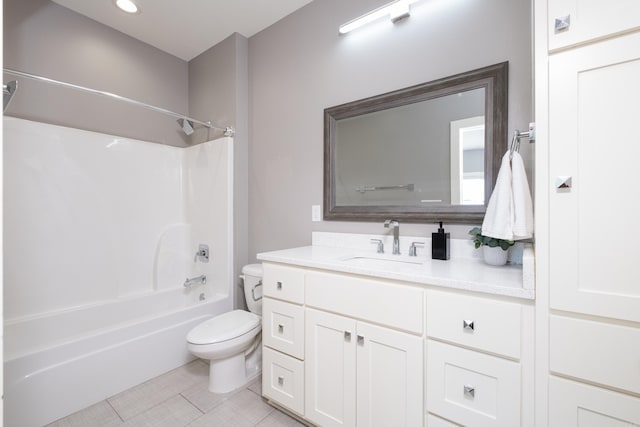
{"x":200,"y":280}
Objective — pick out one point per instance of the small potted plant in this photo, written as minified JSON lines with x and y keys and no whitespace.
{"x":494,"y":250}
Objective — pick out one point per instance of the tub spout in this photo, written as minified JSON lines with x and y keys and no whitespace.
{"x":200,"y":280}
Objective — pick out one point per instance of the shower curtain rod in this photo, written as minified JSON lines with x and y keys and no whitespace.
{"x":228,"y":131}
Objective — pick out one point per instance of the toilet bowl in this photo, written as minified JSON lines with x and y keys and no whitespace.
{"x":231,"y":341}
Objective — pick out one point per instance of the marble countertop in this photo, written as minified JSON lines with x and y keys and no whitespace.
{"x":460,"y":272}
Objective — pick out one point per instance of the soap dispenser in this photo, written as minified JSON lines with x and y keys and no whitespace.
{"x":440,"y":244}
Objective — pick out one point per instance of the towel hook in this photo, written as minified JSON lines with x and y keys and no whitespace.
{"x":517,"y":135}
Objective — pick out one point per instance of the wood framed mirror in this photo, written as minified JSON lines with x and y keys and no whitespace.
{"x":426,"y":153}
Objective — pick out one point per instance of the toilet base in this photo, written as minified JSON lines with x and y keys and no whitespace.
{"x":228,"y":374}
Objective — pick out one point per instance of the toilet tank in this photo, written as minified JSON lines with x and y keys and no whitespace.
{"x":252,"y":278}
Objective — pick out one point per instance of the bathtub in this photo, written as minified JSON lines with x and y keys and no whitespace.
{"x":100,"y":233}
{"x":65,"y":361}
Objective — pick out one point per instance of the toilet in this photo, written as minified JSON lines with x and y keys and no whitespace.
{"x":231,"y":341}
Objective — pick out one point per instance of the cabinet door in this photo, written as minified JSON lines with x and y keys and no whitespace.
{"x":590,"y":20}
{"x":572,"y":404}
{"x":330,"y":369}
{"x":389,"y":379}
{"x":594,"y":99}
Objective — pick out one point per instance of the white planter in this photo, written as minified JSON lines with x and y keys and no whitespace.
{"x":494,"y":256}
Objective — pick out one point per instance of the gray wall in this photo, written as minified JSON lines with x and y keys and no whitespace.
{"x":41,"y":37}
{"x":300,"y":66}
{"x":218,"y":90}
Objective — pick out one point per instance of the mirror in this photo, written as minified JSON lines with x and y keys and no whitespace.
{"x":426,"y":153}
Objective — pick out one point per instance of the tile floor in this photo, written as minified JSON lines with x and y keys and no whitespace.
{"x":180,"y":398}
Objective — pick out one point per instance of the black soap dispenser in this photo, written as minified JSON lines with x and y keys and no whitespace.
{"x":440,"y":244}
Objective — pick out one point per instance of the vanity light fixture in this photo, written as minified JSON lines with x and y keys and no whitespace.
{"x":396,"y":10}
{"x":127,"y":6}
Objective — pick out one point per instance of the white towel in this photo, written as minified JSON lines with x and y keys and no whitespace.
{"x":499,"y":216}
{"x":509,"y":213}
{"x":522,"y":203}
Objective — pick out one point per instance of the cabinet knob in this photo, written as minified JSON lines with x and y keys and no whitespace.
{"x":347,"y":335}
{"x":280,"y":380}
{"x":280,"y":328}
{"x":279,"y":285}
{"x":563,"y":182}
{"x":360,"y":340}
{"x":562,"y":23}
{"x":468,"y":325}
{"x":469,"y":391}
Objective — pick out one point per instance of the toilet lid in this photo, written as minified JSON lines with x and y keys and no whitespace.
{"x":223,"y":327}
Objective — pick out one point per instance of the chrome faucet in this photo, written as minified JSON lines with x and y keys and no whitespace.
{"x":200,"y":280}
{"x":396,"y":234}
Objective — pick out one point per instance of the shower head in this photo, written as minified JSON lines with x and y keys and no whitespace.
{"x":186,"y":125}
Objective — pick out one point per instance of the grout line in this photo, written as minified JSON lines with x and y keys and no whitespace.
{"x":114,"y":410}
{"x":193,"y":404}
{"x":263,"y":418}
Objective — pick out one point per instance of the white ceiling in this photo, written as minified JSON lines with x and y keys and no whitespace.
{"x":186,"y":28}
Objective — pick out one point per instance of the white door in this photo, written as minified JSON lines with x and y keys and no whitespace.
{"x":390,"y":377}
{"x":594,"y":114}
{"x":330,"y":369}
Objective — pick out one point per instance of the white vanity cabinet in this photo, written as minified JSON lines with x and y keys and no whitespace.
{"x":384,"y":352}
{"x":358,"y":373}
{"x":474,"y":359}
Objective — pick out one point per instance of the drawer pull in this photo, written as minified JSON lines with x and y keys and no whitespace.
{"x":469,"y":391}
{"x":360,"y":340}
{"x":562,"y":23}
{"x":347,"y":335}
{"x":468,"y":324}
{"x":280,"y":329}
{"x":279,"y":285}
{"x":280,"y":380}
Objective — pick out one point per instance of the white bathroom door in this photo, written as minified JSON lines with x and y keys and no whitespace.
{"x":594,"y":146}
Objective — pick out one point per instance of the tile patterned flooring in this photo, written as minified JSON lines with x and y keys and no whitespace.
{"x":181,"y":398}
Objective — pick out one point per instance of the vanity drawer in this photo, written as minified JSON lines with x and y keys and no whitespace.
{"x":283,"y":380}
{"x":572,"y":404}
{"x":283,"y":327}
{"x":433,"y":421}
{"x":471,"y":388}
{"x":603,"y":353}
{"x":481,"y":323}
{"x":392,"y":305}
{"x":283,"y":282}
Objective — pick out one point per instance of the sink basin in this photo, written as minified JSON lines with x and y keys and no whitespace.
{"x":374,"y":260}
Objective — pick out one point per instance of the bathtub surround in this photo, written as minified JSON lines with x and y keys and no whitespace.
{"x":100,"y":233}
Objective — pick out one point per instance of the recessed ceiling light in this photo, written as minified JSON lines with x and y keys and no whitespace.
{"x":127,"y":6}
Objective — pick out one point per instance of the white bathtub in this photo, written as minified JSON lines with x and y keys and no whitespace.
{"x":66,"y":361}
{"x":100,"y":233}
